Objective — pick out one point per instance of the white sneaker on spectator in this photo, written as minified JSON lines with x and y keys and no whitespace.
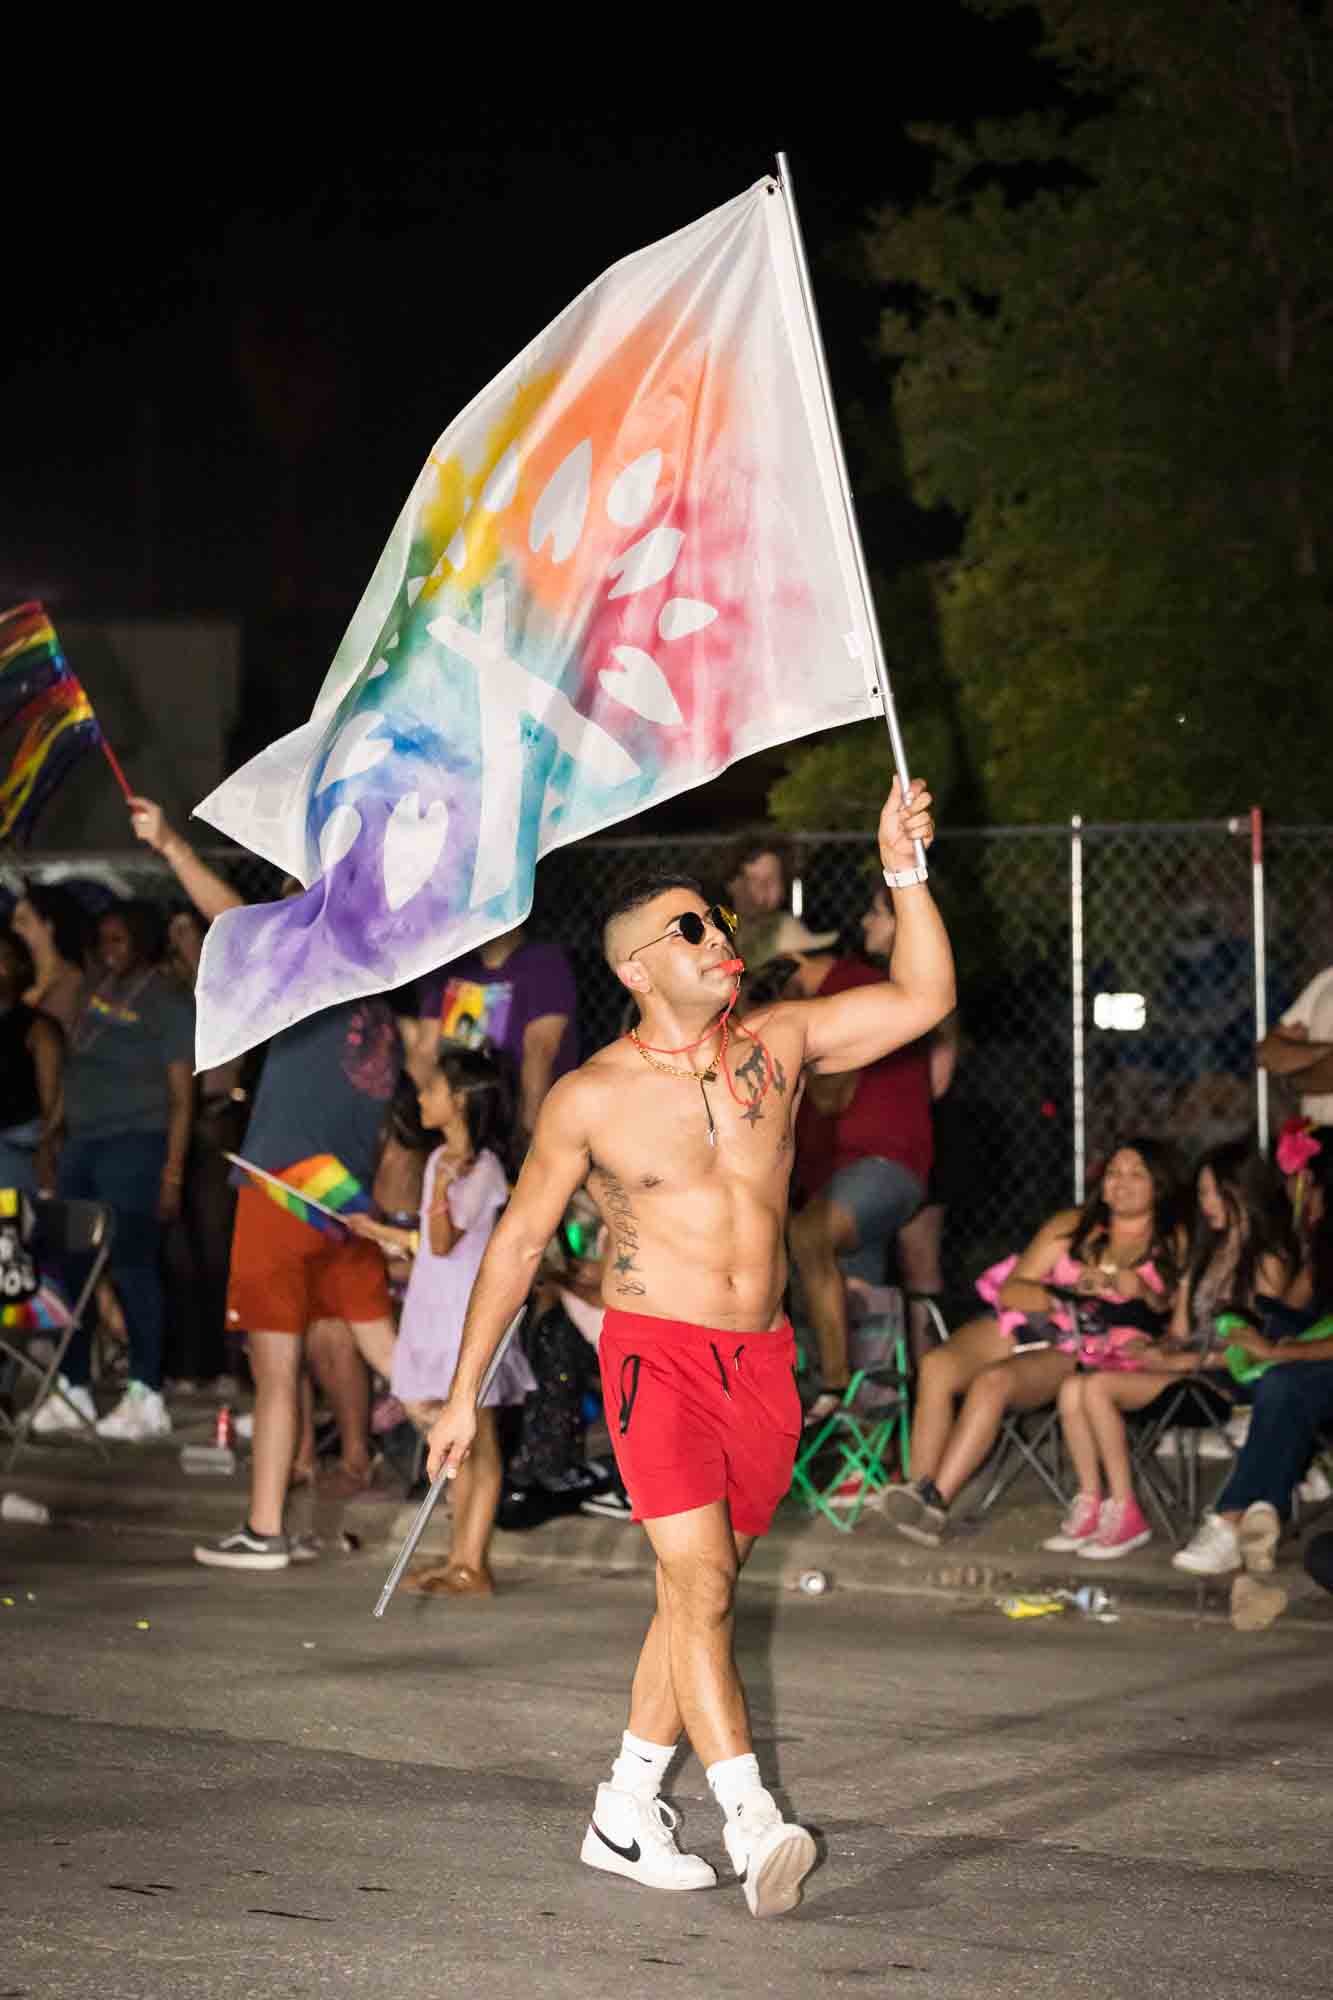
{"x":771,"y":1856}
{"x":1314,"y":1489}
{"x":1257,"y":1537}
{"x":631,"y":1835}
{"x":1213,"y":1552}
{"x":139,"y":1416}
{"x":55,"y":1414}
{"x":1210,"y":1445}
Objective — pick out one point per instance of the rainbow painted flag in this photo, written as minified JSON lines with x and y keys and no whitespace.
{"x":51,"y":717}
{"x":318,"y":1191}
{"x":626,"y":564}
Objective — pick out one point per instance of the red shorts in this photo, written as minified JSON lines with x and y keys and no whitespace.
{"x":284,"y":1274}
{"x":698,"y":1414}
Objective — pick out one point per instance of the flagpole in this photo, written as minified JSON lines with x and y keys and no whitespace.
{"x":844,"y":482}
{"x":114,"y":762}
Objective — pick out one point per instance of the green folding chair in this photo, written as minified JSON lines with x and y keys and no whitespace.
{"x":860,"y":1444}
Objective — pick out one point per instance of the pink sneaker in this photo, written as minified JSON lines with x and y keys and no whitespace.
{"x":1078,"y":1526}
{"x":1122,"y":1526}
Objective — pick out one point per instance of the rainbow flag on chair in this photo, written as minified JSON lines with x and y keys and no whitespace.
{"x":318,"y":1191}
{"x":47,"y":708}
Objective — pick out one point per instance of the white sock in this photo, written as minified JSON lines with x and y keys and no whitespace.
{"x":641,"y":1766}
{"x":733,"y":1781}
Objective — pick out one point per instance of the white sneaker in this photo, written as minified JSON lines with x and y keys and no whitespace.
{"x":55,"y":1414}
{"x":772,"y":1857}
{"x":1314,"y":1489}
{"x":1257,"y":1537}
{"x":1213,"y":1552}
{"x":139,"y":1416}
{"x":636,"y":1836}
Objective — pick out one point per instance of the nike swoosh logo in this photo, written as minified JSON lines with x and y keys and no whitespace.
{"x":630,"y":1853}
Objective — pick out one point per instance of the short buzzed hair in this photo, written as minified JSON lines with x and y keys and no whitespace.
{"x":643,"y":889}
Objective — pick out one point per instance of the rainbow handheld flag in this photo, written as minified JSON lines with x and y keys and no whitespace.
{"x":45,"y":705}
{"x":317,"y":1191}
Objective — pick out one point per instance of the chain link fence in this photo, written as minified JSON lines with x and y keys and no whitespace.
{"x":1152,"y":926}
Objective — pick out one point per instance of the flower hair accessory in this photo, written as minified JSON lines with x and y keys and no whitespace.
{"x":1296,"y":1145}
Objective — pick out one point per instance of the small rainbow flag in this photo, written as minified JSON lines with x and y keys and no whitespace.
{"x":317,"y":1191}
{"x":48,"y":709}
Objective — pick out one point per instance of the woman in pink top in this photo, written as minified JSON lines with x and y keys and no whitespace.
{"x":466,"y":1099}
{"x":1121,"y":1247}
{"x":1242,"y":1250}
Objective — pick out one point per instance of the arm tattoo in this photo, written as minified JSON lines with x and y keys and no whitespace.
{"x":625,"y":1229}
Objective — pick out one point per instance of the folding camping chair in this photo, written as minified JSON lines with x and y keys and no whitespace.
{"x":58,"y":1229}
{"x":1028,"y":1438}
{"x":1170,"y":1483}
{"x":868,"y":1432}
{"x":854,"y":1443}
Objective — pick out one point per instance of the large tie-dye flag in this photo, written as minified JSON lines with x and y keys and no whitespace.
{"x":624,"y":566}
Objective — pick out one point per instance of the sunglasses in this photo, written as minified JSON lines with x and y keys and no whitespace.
{"x":694,"y":928}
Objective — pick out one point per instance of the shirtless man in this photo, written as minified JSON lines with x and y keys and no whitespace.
{"x":683,"y":1132}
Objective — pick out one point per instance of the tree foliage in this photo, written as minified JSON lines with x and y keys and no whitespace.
{"x":1110,"y":330}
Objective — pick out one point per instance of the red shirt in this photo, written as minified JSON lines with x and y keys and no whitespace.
{"x":889,"y":1115}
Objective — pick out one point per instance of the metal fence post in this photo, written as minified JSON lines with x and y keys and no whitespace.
{"x":1260,"y":970}
{"x":1076,"y":990}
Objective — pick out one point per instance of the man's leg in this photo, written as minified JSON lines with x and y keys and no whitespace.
{"x":338,"y":1368}
{"x":697,"y":1568}
{"x":275,"y":1362}
{"x":920,"y":1242}
{"x":654,"y":1712}
{"x":698,"y":1564}
{"x":822,"y":1232}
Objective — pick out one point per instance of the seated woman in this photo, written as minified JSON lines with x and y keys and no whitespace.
{"x":1293,"y":1398}
{"x":1119,"y":1247}
{"x":1242,"y":1251}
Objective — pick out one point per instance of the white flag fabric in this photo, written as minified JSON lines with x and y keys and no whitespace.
{"x":625,"y":565}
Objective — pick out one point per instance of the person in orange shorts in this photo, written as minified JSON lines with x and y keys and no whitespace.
{"x":325,"y":1092}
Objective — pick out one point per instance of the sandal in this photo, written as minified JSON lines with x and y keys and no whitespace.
{"x":450,"y":1580}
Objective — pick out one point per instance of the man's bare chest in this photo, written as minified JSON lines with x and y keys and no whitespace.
{"x":678,"y":1132}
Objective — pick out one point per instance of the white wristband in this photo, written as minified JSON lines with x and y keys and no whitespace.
{"x":903,"y":878}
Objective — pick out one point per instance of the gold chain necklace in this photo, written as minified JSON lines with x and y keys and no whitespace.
{"x":708,"y":1075}
{"x":699,"y":1076}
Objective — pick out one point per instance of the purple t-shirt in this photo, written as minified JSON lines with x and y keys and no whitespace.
{"x":476,"y":1003}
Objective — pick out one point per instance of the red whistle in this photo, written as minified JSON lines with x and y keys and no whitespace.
{"x":732,"y":965}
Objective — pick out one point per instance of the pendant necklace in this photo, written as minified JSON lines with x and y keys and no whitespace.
{"x":709,"y":1075}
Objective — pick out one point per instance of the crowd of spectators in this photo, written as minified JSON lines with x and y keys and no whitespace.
{"x":427,"y":1100}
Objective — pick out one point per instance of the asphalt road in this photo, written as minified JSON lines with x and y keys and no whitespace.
{"x":266,"y":1791}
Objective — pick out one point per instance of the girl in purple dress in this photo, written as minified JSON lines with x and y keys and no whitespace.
{"x":466,"y":1100}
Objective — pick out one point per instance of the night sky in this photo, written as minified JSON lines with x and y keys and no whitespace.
{"x":251,"y":329}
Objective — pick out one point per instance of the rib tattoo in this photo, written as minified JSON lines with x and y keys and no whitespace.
{"x":625,"y":1230}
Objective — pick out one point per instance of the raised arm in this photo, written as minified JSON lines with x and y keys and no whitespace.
{"x":204,"y":887}
{"x":849,"y":1030}
{"x":557,"y":1162}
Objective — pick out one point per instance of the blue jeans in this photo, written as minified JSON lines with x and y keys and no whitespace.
{"x":125,"y":1171}
{"x":18,"y":1156}
{"x":1290,"y":1403}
